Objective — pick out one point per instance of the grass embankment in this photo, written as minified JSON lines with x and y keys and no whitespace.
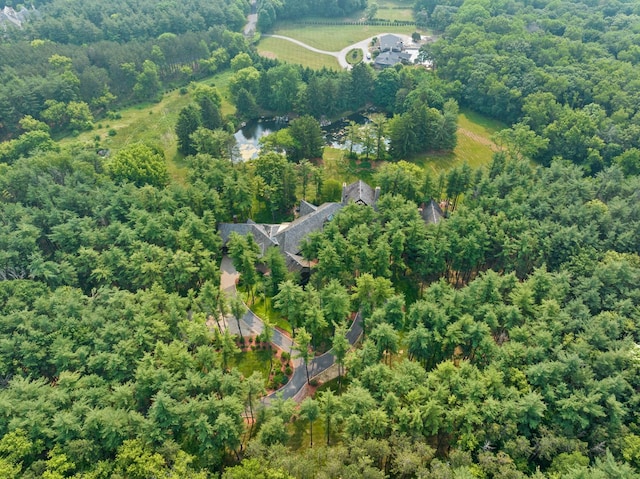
{"x":263,"y":308}
{"x":153,"y":123}
{"x":289,"y":52}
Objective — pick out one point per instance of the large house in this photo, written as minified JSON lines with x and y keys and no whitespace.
{"x":392,"y":51}
{"x":390,"y":43}
{"x":288,"y":236}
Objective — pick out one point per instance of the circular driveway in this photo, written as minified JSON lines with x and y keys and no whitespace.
{"x":341,"y":56}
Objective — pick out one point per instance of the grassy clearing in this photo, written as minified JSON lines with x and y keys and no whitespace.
{"x":402,"y":14}
{"x":250,"y":361}
{"x":291,"y":53}
{"x":333,"y":38}
{"x":153,"y":123}
{"x":354,"y":56}
{"x":263,"y":308}
{"x":474,"y":146}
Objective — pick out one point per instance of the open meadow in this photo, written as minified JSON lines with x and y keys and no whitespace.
{"x":152,"y":123}
{"x":474,"y":144}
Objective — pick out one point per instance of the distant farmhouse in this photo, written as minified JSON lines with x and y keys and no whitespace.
{"x":8,"y":16}
{"x":288,"y":236}
{"x":392,"y":52}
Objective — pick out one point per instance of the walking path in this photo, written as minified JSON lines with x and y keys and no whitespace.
{"x":252,"y":323}
{"x":341,"y":56}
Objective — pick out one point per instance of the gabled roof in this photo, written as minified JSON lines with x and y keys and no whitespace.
{"x":431,"y":213}
{"x":289,"y":238}
{"x":389,"y":59}
{"x":390,"y":42}
{"x":306,"y":208}
{"x":358,"y":192}
{"x":262,"y":237}
{"x":295,"y":262}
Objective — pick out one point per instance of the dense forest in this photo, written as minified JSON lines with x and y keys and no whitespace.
{"x":564,"y":72}
{"x":84,"y":59}
{"x":269,"y":11}
{"x":500,"y":342}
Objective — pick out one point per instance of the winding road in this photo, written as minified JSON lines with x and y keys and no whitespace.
{"x":252,"y":323}
{"x":341,"y":56}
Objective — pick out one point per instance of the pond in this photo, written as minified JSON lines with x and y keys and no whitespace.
{"x":248,"y":137}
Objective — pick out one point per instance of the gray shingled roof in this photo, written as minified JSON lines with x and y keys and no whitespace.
{"x":306,"y":208}
{"x":388,"y":59}
{"x":258,"y":231}
{"x":431,"y":213}
{"x":359,"y":192}
{"x":289,"y":238}
{"x":295,"y":262}
{"x":390,"y":42}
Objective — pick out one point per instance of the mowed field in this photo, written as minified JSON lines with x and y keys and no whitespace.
{"x":333,"y":38}
{"x":474,"y":144}
{"x":395,"y":10}
{"x":291,"y":53}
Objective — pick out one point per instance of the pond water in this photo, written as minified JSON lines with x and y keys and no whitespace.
{"x":248,"y":137}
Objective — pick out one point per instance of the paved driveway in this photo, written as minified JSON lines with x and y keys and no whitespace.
{"x":341,"y":56}
{"x":252,"y":323}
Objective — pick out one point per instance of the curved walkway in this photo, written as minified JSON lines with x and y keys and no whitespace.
{"x":251,"y":322}
{"x":341,"y":56}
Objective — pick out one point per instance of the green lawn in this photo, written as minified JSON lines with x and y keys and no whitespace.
{"x":333,"y":38}
{"x":402,"y":14}
{"x":292,"y":53}
{"x":153,"y":123}
{"x":474,"y":144}
{"x":250,"y":361}
{"x":263,"y":309}
{"x":354,"y":56}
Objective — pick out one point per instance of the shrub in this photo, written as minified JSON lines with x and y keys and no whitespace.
{"x":112,"y":132}
{"x":288,"y":371}
{"x":285,"y":356}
